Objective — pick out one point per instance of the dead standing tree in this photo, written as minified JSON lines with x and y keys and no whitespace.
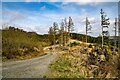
{"x":61,"y":33}
{"x":55,"y":28}
{"x":70,"y":28}
{"x":115,"y":31}
{"x":88,"y":27}
{"x":119,"y":31}
{"x":65,"y":31}
{"x":50,"y":35}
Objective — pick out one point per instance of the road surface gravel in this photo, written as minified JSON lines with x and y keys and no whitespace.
{"x":31,"y":68}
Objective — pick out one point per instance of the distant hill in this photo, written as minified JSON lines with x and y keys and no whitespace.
{"x":90,"y":39}
{"x":19,"y":44}
{"x":82,"y":37}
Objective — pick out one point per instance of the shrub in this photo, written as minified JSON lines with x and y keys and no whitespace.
{"x":74,"y":44}
{"x":90,"y":46}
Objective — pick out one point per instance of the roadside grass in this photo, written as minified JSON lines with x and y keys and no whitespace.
{"x":66,"y":66}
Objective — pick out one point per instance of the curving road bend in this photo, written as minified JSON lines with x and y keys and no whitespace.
{"x":31,"y":68}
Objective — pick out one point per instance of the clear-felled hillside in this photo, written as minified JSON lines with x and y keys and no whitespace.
{"x":19,"y":44}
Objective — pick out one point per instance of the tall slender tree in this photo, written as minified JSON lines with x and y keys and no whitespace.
{"x":70,"y":28}
{"x":55,"y":29}
{"x":61,"y":32}
{"x":119,"y":30}
{"x":65,"y":31}
{"x":115,"y":31}
{"x":50,"y":33}
{"x":88,"y":27}
{"x":104,"y":23}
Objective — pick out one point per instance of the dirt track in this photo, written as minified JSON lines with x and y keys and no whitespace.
{"x":31,"y":68}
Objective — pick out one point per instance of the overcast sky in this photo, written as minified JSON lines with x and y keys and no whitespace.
{"x":38,"y":16}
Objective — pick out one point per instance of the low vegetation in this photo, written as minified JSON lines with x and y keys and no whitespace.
{"x":91,"y":62}
{"x":19,"y":44}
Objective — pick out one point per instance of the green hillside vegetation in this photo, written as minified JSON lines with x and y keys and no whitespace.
{"x":19,"y":44}
{"x":90,"y":39}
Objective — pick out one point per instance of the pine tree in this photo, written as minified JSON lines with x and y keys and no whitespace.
{"x":104,"y":23}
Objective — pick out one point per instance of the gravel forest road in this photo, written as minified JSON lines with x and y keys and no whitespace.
{"x":31,"y":68}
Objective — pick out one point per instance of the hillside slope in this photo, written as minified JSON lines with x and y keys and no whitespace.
{"x":19,"y":44}
{"x":92,"y":61}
